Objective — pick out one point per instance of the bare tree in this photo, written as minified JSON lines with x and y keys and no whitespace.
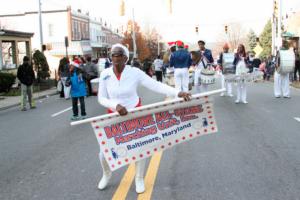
{"x":236,"y":35}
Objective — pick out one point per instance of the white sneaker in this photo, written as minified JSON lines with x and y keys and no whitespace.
{"x":139,"y":185}
{"x":237,"y":101}
{"x":104,"y":181}
{"x":222,"y":94}
{"x":245,"y":102}
{"x":230,"y":95}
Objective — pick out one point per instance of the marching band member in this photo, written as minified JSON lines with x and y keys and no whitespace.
{"x":118,"y":92}
{"x":240,"y":62}
{"x":281,"y":80}
{"x":205,"y":52}
{"x":226,"y":85}
{"x":200,"y":63}
{"x":181,"y":61}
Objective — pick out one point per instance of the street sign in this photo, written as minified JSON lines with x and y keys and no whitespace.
{"x":258,"y":50}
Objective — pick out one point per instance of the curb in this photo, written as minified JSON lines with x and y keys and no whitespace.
{"x":36,"y":98}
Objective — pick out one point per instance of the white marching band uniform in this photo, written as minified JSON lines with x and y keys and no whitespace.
{"x":181,"y":77}
{"x":197,"y":80}
{"x":285,"y":62}
{"x":241,"y":85}
{"x":124,"y":92}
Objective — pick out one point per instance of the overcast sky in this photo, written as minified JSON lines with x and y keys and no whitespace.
{"x":209,"y":15}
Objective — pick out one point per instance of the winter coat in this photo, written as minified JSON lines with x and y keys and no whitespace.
{"x":26,"y":74}
{"x":77,"y":80}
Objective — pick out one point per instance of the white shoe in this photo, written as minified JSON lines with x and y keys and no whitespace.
{"x":237,"y":101}
{"x":139,"y":185}
{"x":230,"y":95}
{"x":222,"y":94}
{"x":104,"y":181}
{"x":245,"y":102}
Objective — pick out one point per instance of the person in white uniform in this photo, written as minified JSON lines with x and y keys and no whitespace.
{"x":241,"y":67}
{"x":200,"y":63}
{"x":181,"y":61}
{"x":223,"y":62}
{"x":118,"y":92}
{"x":282,"y":79}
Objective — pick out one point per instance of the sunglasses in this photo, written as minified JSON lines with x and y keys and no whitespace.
{"x":117,"y":54}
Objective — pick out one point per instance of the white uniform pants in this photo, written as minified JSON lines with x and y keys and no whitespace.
{"x":281,"y":85}
{"x":226,"y":85}
{"x":197,"y":83}
{"x":139,"y":166}
{"x":181,"y":76}
{"x":67,"y":90}
{"x":241,"y":92}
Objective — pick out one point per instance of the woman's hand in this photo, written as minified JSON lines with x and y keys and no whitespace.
{"x":121,"y":110}
{"x":185,"y":95}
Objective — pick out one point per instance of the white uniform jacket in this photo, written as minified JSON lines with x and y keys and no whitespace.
{"x":124,"y":91}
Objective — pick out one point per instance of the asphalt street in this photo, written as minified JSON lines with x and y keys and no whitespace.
{"x":255,"y":154}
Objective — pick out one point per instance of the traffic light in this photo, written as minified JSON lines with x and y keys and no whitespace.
{"x":129,"y":29}
{"x":197,"y":29}
{"x":226,"y":29}
{"x":122,"y":8}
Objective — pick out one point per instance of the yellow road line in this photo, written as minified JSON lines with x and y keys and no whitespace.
{"x":151,"y":176}
{"x":125,"y":183}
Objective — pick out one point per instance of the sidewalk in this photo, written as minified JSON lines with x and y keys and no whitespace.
{"x":8,"y":102}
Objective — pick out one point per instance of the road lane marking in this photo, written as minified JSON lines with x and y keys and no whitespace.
{"x":60,"y":112}
{"x":297,"y":118}
{"x":125,"y":183}
{"x":151,"y":176}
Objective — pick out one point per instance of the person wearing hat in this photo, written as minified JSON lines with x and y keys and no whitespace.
{"x":26,"y":76}
{"x":205,"y":52}
{"x":77,"y":81}
{"x":181,"y":61}
{"x":118,"y":92}
{"x":221,"y":62}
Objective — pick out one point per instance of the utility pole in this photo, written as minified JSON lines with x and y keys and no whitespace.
{"x":41,"y":27}
{"x":279,"y":38}
{"x":133,"y":35}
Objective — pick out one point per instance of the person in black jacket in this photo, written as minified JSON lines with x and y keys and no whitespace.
{"x":26,"y":76}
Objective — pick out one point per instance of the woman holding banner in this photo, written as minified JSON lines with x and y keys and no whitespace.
{"x":118,"y":92}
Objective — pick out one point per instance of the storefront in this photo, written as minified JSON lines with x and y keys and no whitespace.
{"x":14,"y":45}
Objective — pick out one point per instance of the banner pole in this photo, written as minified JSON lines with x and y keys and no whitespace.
{"x":204,"y":94}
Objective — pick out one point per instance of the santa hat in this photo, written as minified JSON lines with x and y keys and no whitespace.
{"x":171,"y":44}
{"x":74,"y":64}
{"x":179,"y":43}
{"x":186,"y":46}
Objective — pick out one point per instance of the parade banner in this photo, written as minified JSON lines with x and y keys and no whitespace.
{"x":152,"y":128}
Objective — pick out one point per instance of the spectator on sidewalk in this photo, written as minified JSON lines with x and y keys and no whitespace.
{"x":91,"y":72}
{"x":63,"y":73}
{"x":158,"y":65}
{"x":26,"y":76}
{"x":78,"y":90}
